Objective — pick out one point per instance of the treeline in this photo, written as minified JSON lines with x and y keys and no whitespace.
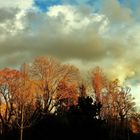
{"x":48,"y":99}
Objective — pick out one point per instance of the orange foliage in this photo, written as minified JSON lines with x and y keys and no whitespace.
{"x":48,"y":73}
{"x":135,"y":125}
{"x":68,"y":92}
{"x":98,"y":81}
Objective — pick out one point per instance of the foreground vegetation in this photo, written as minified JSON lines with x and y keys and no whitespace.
{"x":47,"y":99}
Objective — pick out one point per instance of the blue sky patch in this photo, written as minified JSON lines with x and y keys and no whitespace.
{"x":43,"y":5}
{"x":97,"y":5}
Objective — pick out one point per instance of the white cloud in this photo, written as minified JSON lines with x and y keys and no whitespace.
{"x":22,"y":4}
{"x":13,"y":17}
{"x":74,"y":19}
{"x":9,"y":3}
{"x":25,"y":4}
{"x":13,"y":26}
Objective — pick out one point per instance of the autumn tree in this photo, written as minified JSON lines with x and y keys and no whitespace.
{"x":48,"y":73}
{"x":98,"y":82}
{"x":67,"y":96}
{"x":134,"y":122}
{"x":118,"y":101}
{"x":8,"y":78}
{"x":125,"y":103}
{"x":24,"y":100}
{"x":117,"y":106}
{"x":82,"y":90}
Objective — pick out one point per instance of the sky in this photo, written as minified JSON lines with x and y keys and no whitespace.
{"x":86,"y":33}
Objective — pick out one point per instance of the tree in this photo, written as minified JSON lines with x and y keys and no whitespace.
{"x":135,"y":122}
{"x":8,"y":78}
{"x":24,"y":100}
{"x":117,"y":107}
{"x":67,"y":96}
{"x":118,"y":100}
{"x":48,"y":74}
{"x":125,"y":103}
{"x":98,"y":82}
{"x":82,"y":90}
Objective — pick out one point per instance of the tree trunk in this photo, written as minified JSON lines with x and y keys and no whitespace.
{"x":21,"y":133}
{"x":22,"y":125}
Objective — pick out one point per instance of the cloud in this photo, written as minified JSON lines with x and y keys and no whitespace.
{"x":12,"y":17}
{"x":22,"y":4}
{"x":7,"y":14}
{"x":116,"y":12}
{"x":72,"y":33}
{"x":67,"y":21}
{"x":9,"y":3}
{"x":11,"y":23}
